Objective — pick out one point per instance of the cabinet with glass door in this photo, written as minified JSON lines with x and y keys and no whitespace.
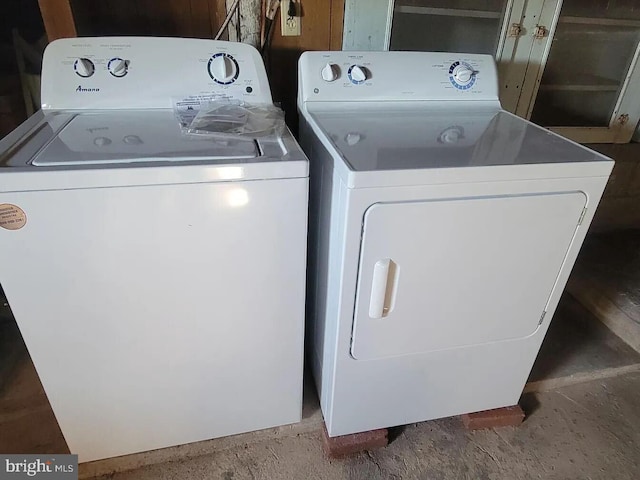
{"x":569,"y":65}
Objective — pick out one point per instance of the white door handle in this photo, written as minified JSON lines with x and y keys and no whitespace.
{"x":383,"y":293}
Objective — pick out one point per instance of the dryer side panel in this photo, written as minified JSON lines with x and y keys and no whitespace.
{"x":442,"y":274}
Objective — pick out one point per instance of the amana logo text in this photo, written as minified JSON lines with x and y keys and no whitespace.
{"x":82,"y":89}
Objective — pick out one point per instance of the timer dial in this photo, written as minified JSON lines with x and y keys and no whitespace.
{"x":223,"y":68}
{"x":462,"y":75}
{"x":84,"y":67}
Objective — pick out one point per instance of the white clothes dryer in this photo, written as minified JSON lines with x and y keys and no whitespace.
{"x":443,"y":230}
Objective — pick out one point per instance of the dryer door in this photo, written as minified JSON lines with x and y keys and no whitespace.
{"x":449,"y":273}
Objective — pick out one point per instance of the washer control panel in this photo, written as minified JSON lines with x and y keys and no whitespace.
{"x":417,"y":76}
{"x":147,"y":72}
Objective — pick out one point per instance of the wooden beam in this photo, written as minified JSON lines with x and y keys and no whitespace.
{"x":250,"y":15}
{"x":218,"y":10}
{"x":233,"y":30}
{"x":58,"y":19}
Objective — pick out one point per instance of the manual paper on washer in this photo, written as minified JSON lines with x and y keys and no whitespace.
{"x":226,"y":116}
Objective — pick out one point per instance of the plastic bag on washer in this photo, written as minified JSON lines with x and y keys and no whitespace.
{"x":231,"y":117}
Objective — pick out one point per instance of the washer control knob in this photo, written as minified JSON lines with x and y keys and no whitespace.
{"x":352,"y":138}
{"x":84,"y":67}
{"x":118,"y":67}
{"x":132,"y":140}
{"x":102,"y":141}
{"x":451,"y":135}
{"x":358,"y":74}
{"x":223,"y":68}
{"x":330,"y":72}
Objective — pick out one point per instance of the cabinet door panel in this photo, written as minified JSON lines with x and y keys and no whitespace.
{"x":584,"y":89}
{"x":515,"y":50}
{"x":464,"y":26}
{"x":447,"y":26}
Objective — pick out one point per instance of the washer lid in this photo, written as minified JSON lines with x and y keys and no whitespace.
{"x":137,"y":137}
{"x":63,"y":150}
{"x":429,"y":135}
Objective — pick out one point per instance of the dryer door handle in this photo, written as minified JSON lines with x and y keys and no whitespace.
{"x":383,"y":288}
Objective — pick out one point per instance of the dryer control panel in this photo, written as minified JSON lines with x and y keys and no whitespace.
{"x":148,"y":72}
{"x":396,"y":76}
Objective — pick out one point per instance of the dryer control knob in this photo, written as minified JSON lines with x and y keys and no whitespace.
{"x":330,"y":72}
{"x":223,"y":68}
{"x":464,"y":74}
{"x":84,"y":67}
{"x":358,"y":74}
{"x":118,"y":67}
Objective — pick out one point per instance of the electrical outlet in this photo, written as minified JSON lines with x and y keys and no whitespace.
{"x":290,"y":24}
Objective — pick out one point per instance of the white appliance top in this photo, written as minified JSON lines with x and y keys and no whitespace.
{"x":422,"y":111}
{"x":397,"y":137}
{"x":107,"y":117}
{"x":148,"y":72}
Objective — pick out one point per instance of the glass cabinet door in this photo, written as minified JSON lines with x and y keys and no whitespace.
{"x":469,"y":26}
{"x":571,"y":65}
{"x":589,"y":70}
{"x":494,"y":27}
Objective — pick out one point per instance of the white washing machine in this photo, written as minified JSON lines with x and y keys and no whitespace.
{"x":158,"y":279}
{"x":443,"y":231}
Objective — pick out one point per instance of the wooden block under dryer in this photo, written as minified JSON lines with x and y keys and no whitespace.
{"x":498,"y":417}
{"x":343,"y":445}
